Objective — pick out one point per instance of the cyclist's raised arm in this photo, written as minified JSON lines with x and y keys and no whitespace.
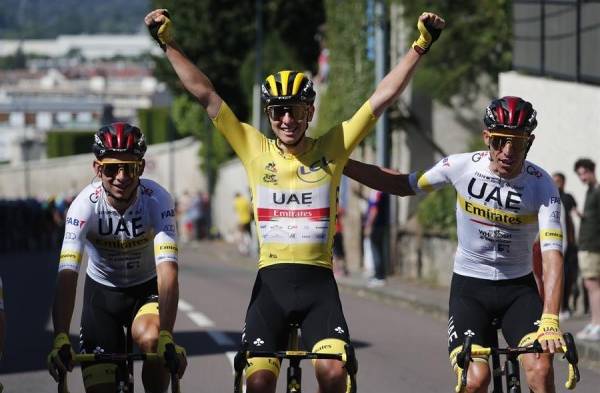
{"x":379,"y":178}
{"x":430,"y":26}
{"x":192,"y":78}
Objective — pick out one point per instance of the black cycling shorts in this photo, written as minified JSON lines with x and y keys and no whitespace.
{"x":475,"y":303}
{"x":107,"y":310}
{"x":294,"y":294}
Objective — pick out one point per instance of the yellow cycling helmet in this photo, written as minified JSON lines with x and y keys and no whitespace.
{"x":287,"y":87}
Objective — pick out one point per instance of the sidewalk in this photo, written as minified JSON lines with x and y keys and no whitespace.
{"x":432,"y":300}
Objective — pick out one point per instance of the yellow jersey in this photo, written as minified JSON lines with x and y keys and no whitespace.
{"x":242,"y":209}
{"x":295,"y":197}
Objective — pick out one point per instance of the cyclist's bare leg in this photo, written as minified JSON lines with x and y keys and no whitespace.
{"x":144,"y":331}
{"x":331,"y":376}
{"x":539,"y":372}
{"x":478,"y":377}
{"x":261,"y":381}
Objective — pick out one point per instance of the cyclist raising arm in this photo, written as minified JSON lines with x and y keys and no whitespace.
{"x":127,"y":226}
{"x":294,"y":182}
{"x":503,"y":202}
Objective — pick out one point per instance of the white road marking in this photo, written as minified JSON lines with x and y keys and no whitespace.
{"x":184,"y":306}
{"x":200,"y":319}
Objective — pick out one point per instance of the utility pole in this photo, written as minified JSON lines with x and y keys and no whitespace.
{"x":382,"y":126}
{"x":381,"y":66}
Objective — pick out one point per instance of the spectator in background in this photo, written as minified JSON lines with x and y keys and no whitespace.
{"x":589,"y":246}
{"x":243,"y":210}
{"x":374,"y":231}
{"x":206,"y":218}
{"x":570,"y":253}
{"x":186,"y":222}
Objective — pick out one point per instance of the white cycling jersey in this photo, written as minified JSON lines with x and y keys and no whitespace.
{"x":123,"y":250}
{"x":497,"y":219}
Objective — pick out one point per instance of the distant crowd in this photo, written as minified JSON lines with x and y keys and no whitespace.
{"x":32,"y":224}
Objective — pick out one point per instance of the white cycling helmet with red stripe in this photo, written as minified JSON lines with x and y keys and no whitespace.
{"x":119,"y":138}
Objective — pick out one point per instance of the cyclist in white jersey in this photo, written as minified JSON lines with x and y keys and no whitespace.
{"x":127,"y":227}
{"x":503,"y":203}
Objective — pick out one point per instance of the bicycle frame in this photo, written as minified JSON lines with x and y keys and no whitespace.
{"x":295,"y":356}
{"x":511,"y":365}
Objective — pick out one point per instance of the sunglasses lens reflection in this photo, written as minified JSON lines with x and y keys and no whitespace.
{"x":276,"y":112}
{"x":111,"y":170}
{"x":498,"y":142}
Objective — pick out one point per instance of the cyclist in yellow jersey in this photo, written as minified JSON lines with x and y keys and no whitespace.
{"x":294,"y":182}
{"x":243,"y":210}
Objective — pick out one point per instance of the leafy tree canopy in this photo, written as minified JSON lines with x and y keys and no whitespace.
{"x":473,"y":49}
{"x":219,"y":37}
{"x":351,"y":76}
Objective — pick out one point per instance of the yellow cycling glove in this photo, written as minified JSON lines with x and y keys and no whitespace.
{"x":429,"y":35}
{"x":54,"y":362}
{"x":165,"y":338}
{"x":162,"y":32}
{"x":548,"y":329}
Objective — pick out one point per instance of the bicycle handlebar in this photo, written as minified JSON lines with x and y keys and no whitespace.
{"x":348,"y":357}
{"x":569,"y":349}
{"x":171,"y":363}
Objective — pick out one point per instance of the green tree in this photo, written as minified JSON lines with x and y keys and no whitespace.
{"x":191,"y":119}
{"x":351,"y":76}
{"x":219,"y":37}
{"x":216,"y":36}
{"x":473,"y":49}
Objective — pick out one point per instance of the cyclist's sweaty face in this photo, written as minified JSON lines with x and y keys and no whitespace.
{"x":120,"y":174}
{"x":508,"y":149}
{"x":289,"y":122}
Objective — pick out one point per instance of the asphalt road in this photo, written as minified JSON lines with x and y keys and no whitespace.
{"x":398,"y":348}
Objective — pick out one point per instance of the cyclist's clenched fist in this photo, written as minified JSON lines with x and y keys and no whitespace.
{"x":159,"y":26}
{"x":430,"y":27}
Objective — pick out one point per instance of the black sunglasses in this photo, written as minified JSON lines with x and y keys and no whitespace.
{"x":298,"y":112}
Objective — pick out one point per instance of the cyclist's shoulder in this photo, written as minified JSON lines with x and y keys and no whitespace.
{"x":538,"y":175}
{"x":86,"y":199}
{"x":461,"y":162}
{"x":155,"y":194}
